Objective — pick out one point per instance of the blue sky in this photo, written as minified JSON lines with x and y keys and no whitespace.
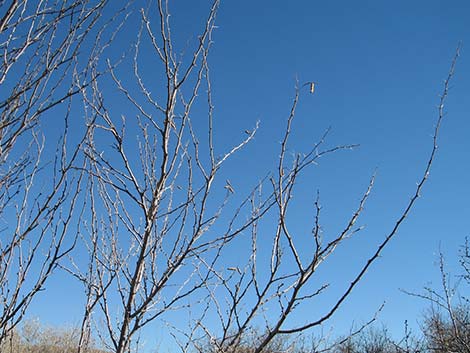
{"x":379,"y":68}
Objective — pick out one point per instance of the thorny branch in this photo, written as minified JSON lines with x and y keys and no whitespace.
{"x":42,"y":68}
{"x":159,"y":235}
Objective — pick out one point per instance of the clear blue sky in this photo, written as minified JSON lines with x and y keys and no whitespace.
{"x":380,"y":67}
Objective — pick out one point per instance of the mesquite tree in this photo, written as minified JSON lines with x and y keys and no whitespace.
{"x":43,"y":67}
{"x":159,"y":235}
{"x":140,"y":189}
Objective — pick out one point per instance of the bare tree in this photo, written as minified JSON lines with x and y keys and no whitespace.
{"x":41,"y":71}
{"x":33,"y":337}
{"x":159,"y":235}
{"x":378,"y":340}
{"x":448,"y":332}
{"x":446,"y":324}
